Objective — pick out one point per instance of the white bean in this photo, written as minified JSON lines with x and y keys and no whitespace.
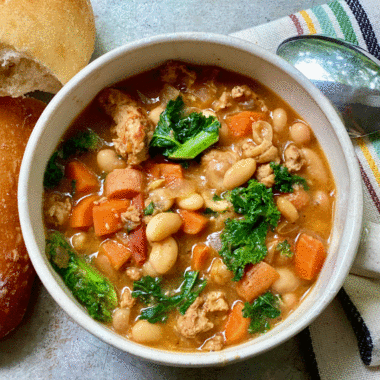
{"x":191,"y":202}
{"x":162,"y":199}
{"x":287,"y":209}
{"x":108,"y":160}
{"x":322,"y":200}
{"x":239,"y":173}
{"x":219,"y":272}
{"x":280,"y":119}
{"x":79,"y":241}
{"x":145,"y":332}
{"x":315,"y":166}
{"x":163,"y":225}
{"x":300,"y":133}
{"x":289,"y":302}
{"x":288,"y":281}
{"x":163,"y":255}
{"x":154,"y":115}
{"x":120,"y":320}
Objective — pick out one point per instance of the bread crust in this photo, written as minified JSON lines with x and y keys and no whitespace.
{"x":57,"y":34}
{"x":17,"y":119}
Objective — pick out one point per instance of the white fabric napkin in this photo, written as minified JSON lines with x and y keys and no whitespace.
{"x":344,"y":342}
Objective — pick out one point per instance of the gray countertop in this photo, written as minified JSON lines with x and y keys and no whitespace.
{"x":48,"y":344}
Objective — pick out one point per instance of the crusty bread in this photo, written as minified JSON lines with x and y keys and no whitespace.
{"x":17,"y":119}
{"x":43,"y":43}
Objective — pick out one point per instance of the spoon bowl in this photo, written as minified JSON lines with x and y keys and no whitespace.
{"x":345,"y":73}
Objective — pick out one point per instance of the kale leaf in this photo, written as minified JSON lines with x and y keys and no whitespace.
{"x":149,"y":209}
{"x":88,"y":286}
{"x":82,"y":142}
{"x":284,"y":181}
{"x":284,"y":248}
{"x":148,"y":291}
{"x":183,"y":138}
{"x":243,"y":239}
{"x":260,"y":311}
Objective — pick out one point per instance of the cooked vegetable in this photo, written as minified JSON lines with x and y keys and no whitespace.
{"x":85,"y":179}
{"x":243,"y":240}
{"x":148,"y":291}
{"x":81,"y":214}
{"x":192,"y":222}
{"x":88,"y":286}
{"x":117,"y":253}
{"x":183,"y":138}
{"x":284,"y":248}
{"x":240,"y":124}
{"x":237,"y":326}
{"x":201,"y":253}
{"x":83,"y":141}
{"x":107,"y":217}
{"x":256,"y":281}
{"x":263,"y":308}
{"x":284,"y":181}
{"x":309,"y":256}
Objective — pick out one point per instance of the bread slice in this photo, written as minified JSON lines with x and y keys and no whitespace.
{"x":43,"y":43}
{"x":17,"y":119}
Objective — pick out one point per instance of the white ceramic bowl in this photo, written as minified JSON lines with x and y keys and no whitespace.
{"x":233,"y":54}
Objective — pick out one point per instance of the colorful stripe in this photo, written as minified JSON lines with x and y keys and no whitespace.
{"x":324,"y":21}
{"x":309,"y":22}
{"x":368,"y":185}
{"x":365,"y":27}
{"x":297,"y":24}
{"x":344,"y":22}
{"x":371,"y":162}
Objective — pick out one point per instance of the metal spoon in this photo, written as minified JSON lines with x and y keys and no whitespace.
{"x":345,"y":73}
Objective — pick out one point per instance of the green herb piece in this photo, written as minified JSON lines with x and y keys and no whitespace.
{"x":260,"y":311}
{"x":82,"y":142}
{"x":284,"y":181}
{"x":183,"y":138}
{"x":284,"y":248}
{"x":88,"y":286}
{"x":54,"y":172}
{"x":148,"y":291}
{"x":243,"y":239}
{"x":216,"y":198}
{"x":209,"y":211}
{"x":149,"y":209}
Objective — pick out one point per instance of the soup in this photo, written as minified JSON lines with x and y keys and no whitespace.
{"x":188,"y":208}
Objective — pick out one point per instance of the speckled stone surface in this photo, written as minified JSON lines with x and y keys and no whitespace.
{"x":48,"y":344}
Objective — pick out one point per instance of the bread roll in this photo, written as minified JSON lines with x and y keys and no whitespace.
{"x":17,"y":119}
{"x":43,"y":43}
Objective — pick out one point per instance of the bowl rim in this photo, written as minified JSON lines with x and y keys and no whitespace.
{"x":228,"y":355}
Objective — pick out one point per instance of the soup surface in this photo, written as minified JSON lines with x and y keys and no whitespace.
{"x":188,"y":208}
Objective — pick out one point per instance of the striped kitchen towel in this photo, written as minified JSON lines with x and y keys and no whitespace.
{"x":344,"y":342}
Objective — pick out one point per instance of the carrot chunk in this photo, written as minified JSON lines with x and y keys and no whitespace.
{"x":236,"y":328}
{"x":256,"y":280}
{"x":201,"y":253}
{"x":192,"y":222}
{"x":309,"y":256}
{"x":124,"y":183}
{"x":107,"y":216}
{"x":85,"y":179}
{"x":117,"y":253}
{"x":240,"y":124}
{"x":81,"y":215}
{"x":138,"y":244}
